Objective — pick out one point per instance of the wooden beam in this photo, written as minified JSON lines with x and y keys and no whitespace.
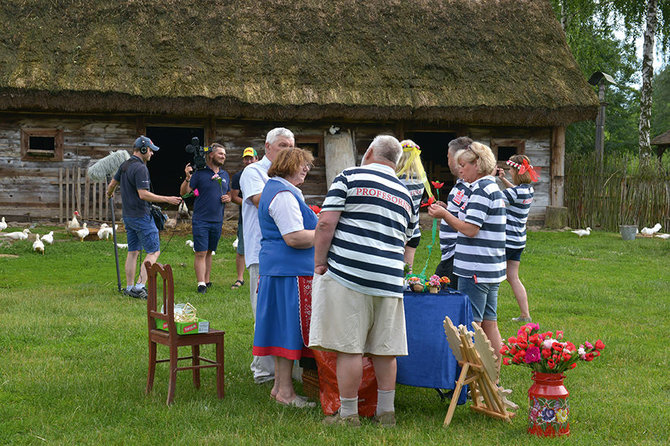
{"x":557,"y":167}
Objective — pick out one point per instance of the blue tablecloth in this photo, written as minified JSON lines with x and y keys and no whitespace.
{"x":430,"y":362}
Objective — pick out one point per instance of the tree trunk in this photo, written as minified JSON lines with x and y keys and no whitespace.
{"x":647,"y":76}
{"x":564,"y":17}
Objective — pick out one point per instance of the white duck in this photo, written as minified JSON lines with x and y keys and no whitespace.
{"x":38,"y":245}
{"x":82,"y":233}
{"x":74,"y":223}
{"x":105,"y":231}
{"x":582,"y":232}
{"x":663,"y":236}
{"x":190,"y":244}
{"x":49,"y":238}
{"x":20,"y":235}
{"x":122,"y":245}
{"x":651,"y":231}
{"x":3,"y":224}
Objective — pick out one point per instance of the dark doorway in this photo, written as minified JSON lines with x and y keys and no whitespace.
{"x":167,"y":166}
{"x":434,"y":147}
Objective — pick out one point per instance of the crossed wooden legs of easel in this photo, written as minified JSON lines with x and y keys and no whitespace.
{"x":479,"y":370}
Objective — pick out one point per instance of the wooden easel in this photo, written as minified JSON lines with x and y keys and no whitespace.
{"x":478,"y":373}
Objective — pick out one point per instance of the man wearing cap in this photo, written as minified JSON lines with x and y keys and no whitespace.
{"x":252,"y":182}
{"x":133,"y":177}
{"x":249,"y":156}
{"x":213,"y":185}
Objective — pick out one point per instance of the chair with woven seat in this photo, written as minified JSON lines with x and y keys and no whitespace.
{"x":173,"y":340}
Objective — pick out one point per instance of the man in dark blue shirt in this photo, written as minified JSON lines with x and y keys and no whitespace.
{"x":213,"y":186}
{"x":133,"y":177}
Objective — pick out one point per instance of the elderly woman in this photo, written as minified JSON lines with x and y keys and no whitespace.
{"x":479,"y":261}
{"x":285,"y":269}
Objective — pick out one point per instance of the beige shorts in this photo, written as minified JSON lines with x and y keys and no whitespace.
{"x":344,"y":320}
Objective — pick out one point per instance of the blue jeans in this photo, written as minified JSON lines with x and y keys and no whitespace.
{"x":483,"y":298}
{"x":142,"y":233}
{"x":206,"y":235}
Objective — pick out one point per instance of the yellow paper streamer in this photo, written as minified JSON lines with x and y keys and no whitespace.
{"x":415,"y":160}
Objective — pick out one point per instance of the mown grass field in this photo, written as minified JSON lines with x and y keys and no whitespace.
{"x":73,"y":352}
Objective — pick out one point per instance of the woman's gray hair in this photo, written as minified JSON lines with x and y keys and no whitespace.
{"x":276,"y":133}
{"x":386,"y":147}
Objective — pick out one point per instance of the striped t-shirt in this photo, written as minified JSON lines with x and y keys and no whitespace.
{"x":483,"y":256}
{"x":457,"y":197}
{"x":415,"y":188}
{"x":518,"y":200}
{"x":377,"y":219}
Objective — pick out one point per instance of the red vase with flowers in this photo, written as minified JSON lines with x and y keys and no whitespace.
{"x":549,"y":357}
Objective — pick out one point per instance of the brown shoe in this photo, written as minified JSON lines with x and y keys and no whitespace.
{"x":387,"y":419}
{"x":337,"y":420}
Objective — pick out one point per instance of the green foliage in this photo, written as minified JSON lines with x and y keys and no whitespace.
{"x":595,"y":47}
{"x":74,"y":353}
{"x":661,"y":106}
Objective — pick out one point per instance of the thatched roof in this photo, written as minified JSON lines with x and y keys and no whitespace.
{"x":463,"y":61}
{"x":662,"y":139}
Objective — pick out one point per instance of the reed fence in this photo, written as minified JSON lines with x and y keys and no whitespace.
{"x":621,"y":192}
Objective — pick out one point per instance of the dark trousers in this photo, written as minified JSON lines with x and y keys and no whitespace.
{"x":446,"y":268}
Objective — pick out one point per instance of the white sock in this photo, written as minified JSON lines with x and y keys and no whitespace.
{"x":385,"y":400}
{"x":202,"y":284}
{"x":139,"y":285}
{"x":349,"y":406}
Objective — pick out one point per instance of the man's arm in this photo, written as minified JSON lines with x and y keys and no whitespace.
{"x":153,"y":198}
{"x":235,"y":197}
{"x":323,"y":237}
{"x":185,"y":186}
{"x":111,"y":187}
{"x":255,"y":199}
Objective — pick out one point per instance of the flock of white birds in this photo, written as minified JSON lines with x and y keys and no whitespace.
{"x":81,"y":231}
{"x":646,"y":232}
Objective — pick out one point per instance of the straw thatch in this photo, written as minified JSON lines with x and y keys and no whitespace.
{"x":468,"y":61}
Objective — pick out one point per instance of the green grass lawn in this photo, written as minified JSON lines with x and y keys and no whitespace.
{"x":73,"y":352}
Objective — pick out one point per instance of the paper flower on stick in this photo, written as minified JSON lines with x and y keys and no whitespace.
{"x":315,"y":208}
{"x":193,"y":193}
{"x":428,"y":202}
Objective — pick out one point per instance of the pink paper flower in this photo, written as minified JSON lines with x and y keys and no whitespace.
{"x":532,"y":355}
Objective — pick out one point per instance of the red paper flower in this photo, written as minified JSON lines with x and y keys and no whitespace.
{"x":437,"y":184}
{"x":428,"y":202}
{"x":315,"y":208}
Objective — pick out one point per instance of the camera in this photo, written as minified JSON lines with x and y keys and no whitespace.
{"x":198,"y":153}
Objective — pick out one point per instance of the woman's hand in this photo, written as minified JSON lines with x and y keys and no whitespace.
{"x":436,"y":211}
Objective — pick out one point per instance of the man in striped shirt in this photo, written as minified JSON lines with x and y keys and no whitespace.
{"x":457,"y":197}
{"x":357,"y":305}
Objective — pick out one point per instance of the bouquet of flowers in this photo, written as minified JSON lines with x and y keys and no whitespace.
{"x":434,"y":281}
{"x":444,"y":280}
{"x":545,"y":353}
{"x":415,"y":283}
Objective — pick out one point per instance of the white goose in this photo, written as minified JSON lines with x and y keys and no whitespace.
{"x":663,"y":236}
{"x":3,"y":224}
{"x":20,"y":235}
{"x":582,"y":232}
{"x":49,"y":238}
{"x":651,"y":231}
{"x":38,"y":245}
{"x":82,"y":233}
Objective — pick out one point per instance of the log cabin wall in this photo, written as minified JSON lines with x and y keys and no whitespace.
{"x":29,"y":190}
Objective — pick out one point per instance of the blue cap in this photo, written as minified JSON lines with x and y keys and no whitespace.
{"x":143,"y":141}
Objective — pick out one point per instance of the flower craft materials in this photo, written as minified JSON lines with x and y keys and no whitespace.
{"x":415,"y":283}
{"x":444,"y":281}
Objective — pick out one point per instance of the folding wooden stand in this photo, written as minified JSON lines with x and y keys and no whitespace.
{"x":479,"y":371}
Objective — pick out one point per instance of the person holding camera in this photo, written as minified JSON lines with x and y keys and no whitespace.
{"x":142,"y":233}
{"x":213,"y":186}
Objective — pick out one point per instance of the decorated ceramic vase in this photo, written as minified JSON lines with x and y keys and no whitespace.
{"x":417,"y":287}
{"x":548,"y":407}
{"x":434,"y":289}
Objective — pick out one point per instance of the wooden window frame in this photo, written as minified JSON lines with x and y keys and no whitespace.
{"x":318,"y":140}
{"x":520,"y":145}
{"x":42,"y":155}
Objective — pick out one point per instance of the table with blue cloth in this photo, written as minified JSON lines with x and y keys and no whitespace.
{"x":429,"y":362}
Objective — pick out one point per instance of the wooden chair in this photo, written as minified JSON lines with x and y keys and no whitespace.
{"x":173,"y":340}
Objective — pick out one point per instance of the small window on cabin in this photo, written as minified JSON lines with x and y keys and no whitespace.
{"x":315,"y":145}
{"x":504,"y":149}
{"x":42,"y":144}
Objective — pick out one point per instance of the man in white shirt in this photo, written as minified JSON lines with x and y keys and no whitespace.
{"x":252,"y":182}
